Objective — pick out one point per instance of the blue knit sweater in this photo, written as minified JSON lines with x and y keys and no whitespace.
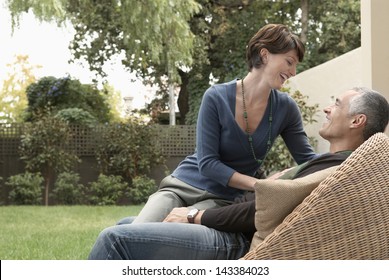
{"x":222,"y":147}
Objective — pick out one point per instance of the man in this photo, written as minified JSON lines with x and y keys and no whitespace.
{"x":226,"y":232}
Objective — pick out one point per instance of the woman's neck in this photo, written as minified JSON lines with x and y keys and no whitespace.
{"x":255,"y":88}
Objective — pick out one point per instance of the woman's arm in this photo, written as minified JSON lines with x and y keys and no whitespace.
{"x":241,"y":181}
{"x":208,"y":136}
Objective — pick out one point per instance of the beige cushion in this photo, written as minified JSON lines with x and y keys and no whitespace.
{"x":275,"y":199}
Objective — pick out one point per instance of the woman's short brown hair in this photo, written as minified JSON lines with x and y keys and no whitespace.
{"x":276,"y":38}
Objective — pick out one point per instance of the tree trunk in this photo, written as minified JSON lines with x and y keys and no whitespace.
{"x":172,"y":105}
{"x":183,"y":96}
{"x":304,"y":20}
{"x":172,"y":99}
{"x":47,"y":187}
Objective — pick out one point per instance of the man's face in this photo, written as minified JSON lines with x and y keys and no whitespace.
{"x":338,"y":119}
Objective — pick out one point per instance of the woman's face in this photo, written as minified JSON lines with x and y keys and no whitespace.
{"x":279,"y":67}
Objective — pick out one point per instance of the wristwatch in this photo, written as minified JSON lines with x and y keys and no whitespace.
{"x":192,"y":215}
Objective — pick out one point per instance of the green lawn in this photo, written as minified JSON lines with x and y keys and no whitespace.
{"x":55,"y":232}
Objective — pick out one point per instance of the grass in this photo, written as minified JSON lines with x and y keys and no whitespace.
{"x":55,"y":232}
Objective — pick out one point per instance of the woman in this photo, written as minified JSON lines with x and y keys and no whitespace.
{"x":237,"y":124}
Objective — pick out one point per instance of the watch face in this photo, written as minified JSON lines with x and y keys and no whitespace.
{"x":192,"y":212}
{"x":191,"y":215}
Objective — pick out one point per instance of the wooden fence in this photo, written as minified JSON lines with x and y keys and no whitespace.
{"x":176,"y":141}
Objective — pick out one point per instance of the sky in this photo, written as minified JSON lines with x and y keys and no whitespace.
{"x":46,"y":44}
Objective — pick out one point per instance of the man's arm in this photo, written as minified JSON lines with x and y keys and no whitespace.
{"x":238,"y":217}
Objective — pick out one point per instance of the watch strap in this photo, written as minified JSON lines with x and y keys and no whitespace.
{"x":192,"y":215}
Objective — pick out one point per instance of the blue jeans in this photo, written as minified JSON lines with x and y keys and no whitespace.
{"x":167,"y":241}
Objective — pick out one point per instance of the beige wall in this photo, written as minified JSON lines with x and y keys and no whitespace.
{"x":375,"y":41}
{"x":365,"y":66}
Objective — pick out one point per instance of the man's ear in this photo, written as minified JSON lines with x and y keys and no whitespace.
{"x":359,"y":120}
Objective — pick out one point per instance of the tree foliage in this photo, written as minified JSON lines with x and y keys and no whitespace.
{"x":147,"y":31}
{"x":13,"y":100}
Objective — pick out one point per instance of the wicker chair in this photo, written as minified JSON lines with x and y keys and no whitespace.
{"x":345,"y":217}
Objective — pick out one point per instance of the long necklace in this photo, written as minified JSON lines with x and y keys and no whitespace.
{"x":249,"y":136}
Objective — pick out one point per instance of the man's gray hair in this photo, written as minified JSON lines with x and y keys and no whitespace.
{"x":374,"y":106}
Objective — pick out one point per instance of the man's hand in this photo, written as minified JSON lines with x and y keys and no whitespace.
{"x":178,"y":215}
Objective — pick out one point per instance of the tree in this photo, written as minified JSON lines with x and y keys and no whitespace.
{"x":42,"y":148}
{"x":113,"y":99}
{"x":147,"y":32}
{"x":13,"y":99}
{"x":213,"y":37}
{"x":333,"y":29}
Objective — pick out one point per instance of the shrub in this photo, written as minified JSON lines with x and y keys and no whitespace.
{"x":142,"y":188}
{"x":67,"y":189}
{"x":76,"y":116}
{"x":129,"y":149}
{"x":106,"y":190}
{"x":26,"y":188}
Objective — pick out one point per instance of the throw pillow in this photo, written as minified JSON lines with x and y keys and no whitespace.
{"x":275,"y":199}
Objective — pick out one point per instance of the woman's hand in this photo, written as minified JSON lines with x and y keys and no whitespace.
{"x":279,"y":174}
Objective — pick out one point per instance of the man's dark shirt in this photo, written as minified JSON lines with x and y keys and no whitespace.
{"x":240,"y":216}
